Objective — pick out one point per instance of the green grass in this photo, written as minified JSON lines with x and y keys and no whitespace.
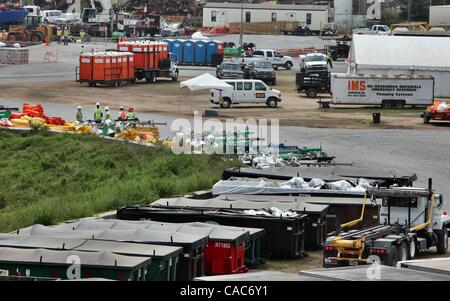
{"x":48,"y":178}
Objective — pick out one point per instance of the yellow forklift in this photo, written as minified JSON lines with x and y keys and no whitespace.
{"x":33,"y":31}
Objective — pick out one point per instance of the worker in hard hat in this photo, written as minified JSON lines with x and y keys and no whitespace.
{"x":130,"y":114}
{"x":79,"y":115}
{"x":329,"y":59}
{"x":82,"y":35}
{"x":98,"y":113}
{"x":121,"y":115}
{"x":108,"y":115}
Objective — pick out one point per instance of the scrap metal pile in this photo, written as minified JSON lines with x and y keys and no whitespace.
{"x":177,"y":7}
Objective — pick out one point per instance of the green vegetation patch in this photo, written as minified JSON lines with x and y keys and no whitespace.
{"x":48,"y":178}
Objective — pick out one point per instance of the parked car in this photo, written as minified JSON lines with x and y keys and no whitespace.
{"x":229,"y":70}
{"x":262,"y":70}
{"x":275,"y":57}
{"x":246,"y":91}
{"x":68,"y":18}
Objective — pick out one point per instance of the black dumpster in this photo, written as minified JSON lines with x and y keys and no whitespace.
{"x":193,"y":244}
{"x":284,"y":235}
{"x":315,"y":221}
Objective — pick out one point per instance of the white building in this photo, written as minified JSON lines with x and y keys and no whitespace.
{"x":398,"y":55}
{"x":440,"y":14}
{"x":222,"y":14}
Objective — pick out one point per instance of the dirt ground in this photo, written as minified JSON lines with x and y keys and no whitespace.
{"x":167,"y":98}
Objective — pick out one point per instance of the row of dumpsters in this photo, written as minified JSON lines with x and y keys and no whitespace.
{"x":130,"y":61}
{"x":196,"y":52}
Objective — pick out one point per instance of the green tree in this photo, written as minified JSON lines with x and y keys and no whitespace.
{"x":419,"y":10}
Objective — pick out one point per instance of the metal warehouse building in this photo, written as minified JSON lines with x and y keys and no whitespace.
{"x":398,"y":55}
{"x":222,"y":14}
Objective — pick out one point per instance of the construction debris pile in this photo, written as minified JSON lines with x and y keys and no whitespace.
{"x":161,"y":7}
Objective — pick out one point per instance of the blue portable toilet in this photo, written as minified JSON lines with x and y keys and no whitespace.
{"x":169,"y":44}
{"x":188,"y":52}
{"x":177,"y":50}
{"x":212,"y":48}
{"x":200,"y":52}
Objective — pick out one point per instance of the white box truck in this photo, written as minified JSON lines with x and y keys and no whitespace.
{"x":388,"y":91}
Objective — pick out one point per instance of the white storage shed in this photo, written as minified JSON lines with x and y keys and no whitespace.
{"x":408,"y":55}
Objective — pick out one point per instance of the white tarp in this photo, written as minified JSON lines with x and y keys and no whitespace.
{"x":401,"y":52}
{"x":261,"y":187}
{"x":205,"y":81}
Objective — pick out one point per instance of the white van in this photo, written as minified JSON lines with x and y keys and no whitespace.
{"x":50,"y":16}
{"x":246,"y":91}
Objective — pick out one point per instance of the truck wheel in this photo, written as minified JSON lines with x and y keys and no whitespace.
{"x":442,"y":244}
{"x":399,"y":104}
{"x":226,"y":103}
{"x":412,"y":249}
{"x":387,"y":104}
{"x":272,"y":102}
{"x":311,"y":92}
{"x":391,"y":259}
{"x":288,"y":66}
{"x":426,"y":117}
{"x":175,"y":76}
{"x":150,"y":78}
{"x":403,"y":252}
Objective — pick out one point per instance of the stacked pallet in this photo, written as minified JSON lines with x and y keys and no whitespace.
{"x":14,"y":56}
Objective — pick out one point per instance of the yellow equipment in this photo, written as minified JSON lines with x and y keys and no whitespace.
{"x":33,"y":30}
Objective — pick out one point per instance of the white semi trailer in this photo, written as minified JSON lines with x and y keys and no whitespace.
{"x":388,"y":91}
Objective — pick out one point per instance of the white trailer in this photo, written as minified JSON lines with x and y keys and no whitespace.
{"x":388,"y":91}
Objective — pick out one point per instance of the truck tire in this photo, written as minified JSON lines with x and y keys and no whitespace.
{"x":288,"y":65}
{"x":426,"y":117}
{"x":311,"y":92}
{"x":175,"y":77}
{"x":403,"y":252}
{"x":387,"y":104}
{"x":226,"y":103}
{"x":399,"y":104}
{"x":150,"y":78}
{"x":412,"y":249}
{"x":442,"y":243}
{"x":391,"y":258}
{"x":272,"y":102}
{"x":36,"y":37}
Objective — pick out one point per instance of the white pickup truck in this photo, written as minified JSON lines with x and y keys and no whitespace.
{"x":275,"y":57}
{"x":374,"y":30}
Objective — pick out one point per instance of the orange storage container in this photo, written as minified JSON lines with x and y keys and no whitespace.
{"x":164,"y":51}
{"x":131,"y":66}
{"x":85,"y":69}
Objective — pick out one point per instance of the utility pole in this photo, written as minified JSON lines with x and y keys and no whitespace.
{"x":409,"y":10}
{"x":241,"y":29}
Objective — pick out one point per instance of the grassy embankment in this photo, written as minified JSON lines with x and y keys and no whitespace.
{"x":48,"y":178}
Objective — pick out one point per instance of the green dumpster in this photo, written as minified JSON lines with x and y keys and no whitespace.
{"x":163,"y":265}
{"x":63,"y":264}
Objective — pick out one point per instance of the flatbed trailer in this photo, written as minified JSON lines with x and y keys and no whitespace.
{"x":413,"y":222}
{"x":434,"y":113}
{"x":313,"y":83}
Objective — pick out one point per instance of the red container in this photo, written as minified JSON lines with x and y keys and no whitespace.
{"x":224,"y":258}
{"x":164,"y":51}
{"x":86,"y":67}
{"x":130,"y":65}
